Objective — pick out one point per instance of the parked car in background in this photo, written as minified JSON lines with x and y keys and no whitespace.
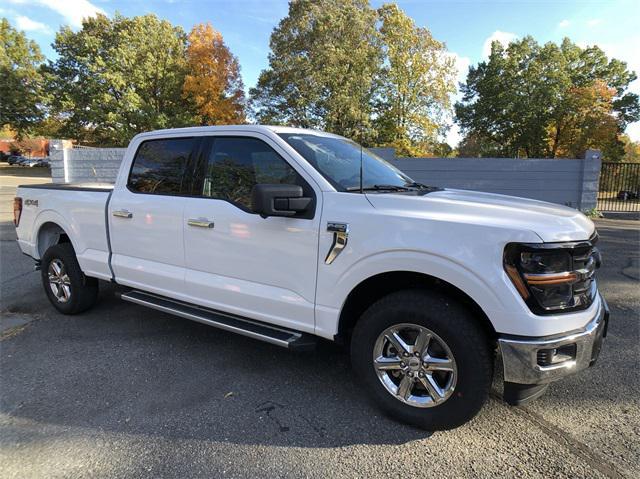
{"x":625,"y":195}
{"x":15,"y":159}
{"x":285,"y":235}
{"x":35,"y":162}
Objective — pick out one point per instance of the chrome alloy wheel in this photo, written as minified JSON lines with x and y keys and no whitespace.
{"x":415,"y":365}
{"x":59,"y":281}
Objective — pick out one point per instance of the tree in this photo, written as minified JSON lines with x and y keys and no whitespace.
{"x":588,"y":122}
{"x":418,"y":78}
{"x":213,"y":83}
{"x":20,"y":80}
{"x":631,"y":150}
{"x":115,"y":78}
{"x":323,"y":66}
{"x":546,"y":101}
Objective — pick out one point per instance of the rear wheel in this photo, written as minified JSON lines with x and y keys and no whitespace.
{"x":67,"y":288}
{"x":424,"y":359}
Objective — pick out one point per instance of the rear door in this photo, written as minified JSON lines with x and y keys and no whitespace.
{"x":145,"y":217}
{"x":237,"y":261}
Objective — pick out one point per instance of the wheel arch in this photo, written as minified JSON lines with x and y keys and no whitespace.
{"x":371,"y":289}
{"x":50,"y":233}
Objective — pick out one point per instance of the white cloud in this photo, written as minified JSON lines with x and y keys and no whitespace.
{"x":503,"y":37}
{"x":593,"y":22}
{"x":28,"y":25}
{"x":462,"y":64}
{"x":564,"y":23}
{"x":633,"y":131}
{"x":73,"y":11}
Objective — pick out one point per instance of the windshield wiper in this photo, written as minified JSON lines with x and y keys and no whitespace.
{"x":424,"y":189}
{"x":380,"y":188}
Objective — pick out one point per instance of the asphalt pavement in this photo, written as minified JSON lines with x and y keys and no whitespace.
{"x":123,"y":391}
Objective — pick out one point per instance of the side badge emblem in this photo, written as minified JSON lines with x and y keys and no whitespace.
{"x":340,"y":236}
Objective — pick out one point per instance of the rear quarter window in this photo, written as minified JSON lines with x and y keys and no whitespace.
{"x":159,"y":166}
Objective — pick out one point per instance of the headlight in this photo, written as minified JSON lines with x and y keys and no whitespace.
{"x":553,"y":277}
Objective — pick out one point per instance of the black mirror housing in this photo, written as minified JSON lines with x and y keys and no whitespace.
{"x":278,"y":200}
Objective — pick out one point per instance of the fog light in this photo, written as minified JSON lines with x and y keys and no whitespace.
{"x":552,"y":357}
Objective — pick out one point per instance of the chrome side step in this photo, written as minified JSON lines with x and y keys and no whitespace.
{"x":286,"y":338}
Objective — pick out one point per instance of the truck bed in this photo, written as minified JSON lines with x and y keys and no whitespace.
{"x":79,"y":208}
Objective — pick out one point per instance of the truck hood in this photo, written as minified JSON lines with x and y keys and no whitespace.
{"x":549,"y":221}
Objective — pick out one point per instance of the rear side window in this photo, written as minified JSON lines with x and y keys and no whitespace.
{"x":159,"y":166}
{"x":235,"y":165}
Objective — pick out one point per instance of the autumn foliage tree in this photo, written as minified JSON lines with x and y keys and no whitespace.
{"x":589,"y":123}
{"x":213,"y":83}
{"x":546,"y":100}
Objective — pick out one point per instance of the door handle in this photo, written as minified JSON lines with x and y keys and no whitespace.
{"x":123,"y":214}
{"x":200,"y":223}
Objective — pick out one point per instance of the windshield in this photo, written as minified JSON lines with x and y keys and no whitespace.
{"x":338,"y":160}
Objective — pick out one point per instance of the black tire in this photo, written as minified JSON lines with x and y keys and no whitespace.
{"x":455,"y":325}
{"x":83,"y":291}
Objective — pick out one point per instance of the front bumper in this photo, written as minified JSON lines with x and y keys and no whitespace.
{"x":525,"y":360}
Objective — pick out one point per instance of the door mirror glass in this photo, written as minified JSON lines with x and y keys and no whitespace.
{"x":278,"y":200}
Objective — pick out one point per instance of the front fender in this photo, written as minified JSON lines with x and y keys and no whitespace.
{"x":332,"y":297}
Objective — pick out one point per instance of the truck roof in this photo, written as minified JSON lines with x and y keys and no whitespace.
{"x":245,"y":128}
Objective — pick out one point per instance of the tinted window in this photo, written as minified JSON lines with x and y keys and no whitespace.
{"x":159,"y":166}
{"x":235,"y":165}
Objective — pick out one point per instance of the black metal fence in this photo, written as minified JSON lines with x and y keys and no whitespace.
{"x":619,"y":188}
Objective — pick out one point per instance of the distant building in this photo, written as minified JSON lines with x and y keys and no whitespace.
{"x":34,"y":147}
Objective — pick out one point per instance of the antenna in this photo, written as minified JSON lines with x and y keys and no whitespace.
{"x":361,"y":160}
{"x":361,"y":187}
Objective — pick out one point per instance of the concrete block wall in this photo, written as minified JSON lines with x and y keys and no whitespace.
{"x":568,"y":182}
{"x":99,"y":165}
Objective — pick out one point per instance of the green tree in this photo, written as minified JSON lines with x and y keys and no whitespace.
{"x":418,"y":79}
{"x":117,"y":77}
{"x":546,"y":101}
{"x":323,"y":66}
{"x":20,"y":80}
{"x":631,"y":150}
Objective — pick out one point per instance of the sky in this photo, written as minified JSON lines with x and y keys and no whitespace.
{"x":466,"y":26}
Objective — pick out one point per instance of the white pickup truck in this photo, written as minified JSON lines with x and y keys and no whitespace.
{"x":288,"y":235}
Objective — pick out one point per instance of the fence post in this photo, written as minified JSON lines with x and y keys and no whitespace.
{"x":65,"y":164}
{"x":589,"y":180}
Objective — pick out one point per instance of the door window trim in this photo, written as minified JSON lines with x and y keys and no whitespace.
{"x":188,"y":169}
{"x":202,"y":159}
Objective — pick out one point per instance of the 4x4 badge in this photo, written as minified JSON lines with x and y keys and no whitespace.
{"x":340,"y":236}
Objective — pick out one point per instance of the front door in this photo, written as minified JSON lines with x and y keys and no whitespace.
{"x":236,"y":261}
{"x":145,"y":217}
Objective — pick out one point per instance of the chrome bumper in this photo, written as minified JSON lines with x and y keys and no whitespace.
{"x":523,"y":364}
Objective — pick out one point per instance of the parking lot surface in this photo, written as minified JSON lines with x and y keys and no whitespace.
{"x":123,"y":391}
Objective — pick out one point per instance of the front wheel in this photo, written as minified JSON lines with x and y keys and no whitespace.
{"x":424,"y":359}
{"x":67,"y":288}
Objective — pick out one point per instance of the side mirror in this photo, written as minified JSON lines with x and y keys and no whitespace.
{"x":278,"y":200}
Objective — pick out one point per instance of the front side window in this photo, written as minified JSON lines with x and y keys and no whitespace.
{"x":159,"y":166}
{"x":236,"y":164}
{"x":339,"y":159}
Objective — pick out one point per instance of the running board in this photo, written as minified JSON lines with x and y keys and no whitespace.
{"x":286,"y":338}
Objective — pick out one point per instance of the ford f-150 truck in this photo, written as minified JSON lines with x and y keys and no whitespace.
{"x":288,"y":235}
